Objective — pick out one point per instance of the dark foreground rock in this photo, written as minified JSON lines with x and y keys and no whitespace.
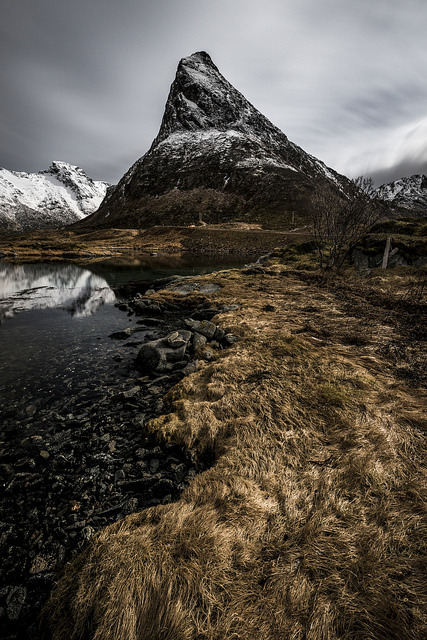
{"x":164,"y":354}
{"x":81,"y":463}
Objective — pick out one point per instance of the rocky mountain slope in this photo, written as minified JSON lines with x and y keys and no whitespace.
{"x":407,"y":195}
{"x":56,"y":197}
{"x":215,"y":158}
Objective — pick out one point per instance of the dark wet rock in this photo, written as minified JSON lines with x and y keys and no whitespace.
{"x":147,"y":308}
{"x":123,"y":306}
{"x":126,"y":333}
{"x":182,"y":285}
{"x":30,"y":410}
{"x":158,"y":356}
{"x":163,"y":283}
{"x":142,"y":453}
{"x":207,"y":354}
{"x":204,"y":314}
{"x":161,"y":379}
{"x":186,"y":286}
{"x":133,"y":343}
{"x":15,"y":601}
{"x":156,"y":390}
{"x":199,"y":341}
{"x":191,"y":367}
{"x":153,"y":465}
{"x":204,"y":327}
{"x":151,"y":335}
{"x":130,"y":393}
{"x":162,"y":487}
{"x":179,"y":471}
{"x":219,"y":334}
{"x":177,"y":339}
{"x":153,"y":322}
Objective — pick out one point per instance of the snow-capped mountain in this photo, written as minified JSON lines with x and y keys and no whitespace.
{"x":217,"y":158}
{"x":407,"y":194}
{"x":53,"y":198}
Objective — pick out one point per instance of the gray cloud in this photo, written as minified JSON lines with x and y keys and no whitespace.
{"x":86,"y":82}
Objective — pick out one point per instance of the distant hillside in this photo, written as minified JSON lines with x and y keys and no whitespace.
{"x":216,"y":158}
{"x":407,"y":196}
{"x":59,"y":196}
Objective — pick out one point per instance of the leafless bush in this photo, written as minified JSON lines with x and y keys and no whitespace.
{"x":338,"y":222}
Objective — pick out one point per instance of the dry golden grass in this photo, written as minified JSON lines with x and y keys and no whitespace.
{"x":77,"y":244}
{"x":310,"y":523}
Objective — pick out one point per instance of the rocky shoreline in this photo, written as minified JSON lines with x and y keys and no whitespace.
{"x":74,"y":467}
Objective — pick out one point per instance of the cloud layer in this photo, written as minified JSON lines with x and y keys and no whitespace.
{"x":87,"y":82}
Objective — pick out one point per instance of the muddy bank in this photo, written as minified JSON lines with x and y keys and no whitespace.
{"x":71,"y":468}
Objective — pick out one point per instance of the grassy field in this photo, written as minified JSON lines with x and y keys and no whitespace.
{"x":75,"y":245}
{"x":310,"y":523}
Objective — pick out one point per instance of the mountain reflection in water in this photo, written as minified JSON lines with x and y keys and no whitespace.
{"x":53,"y":359}
{"x":47,"y":286}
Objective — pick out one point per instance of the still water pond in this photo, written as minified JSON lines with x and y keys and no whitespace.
{"x":55,"y":320}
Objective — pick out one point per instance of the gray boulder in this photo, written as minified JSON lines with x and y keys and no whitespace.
{"x":162,"y":355}
{"x":198,"y":341}
{"x":204,"y":327}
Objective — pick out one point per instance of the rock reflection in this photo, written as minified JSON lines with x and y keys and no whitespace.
{"x":47,"y":286}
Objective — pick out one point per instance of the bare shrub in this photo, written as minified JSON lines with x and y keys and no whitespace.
{"x":338,"y":222}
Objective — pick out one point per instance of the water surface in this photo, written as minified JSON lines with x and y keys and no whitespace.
{"x":55,"y":322}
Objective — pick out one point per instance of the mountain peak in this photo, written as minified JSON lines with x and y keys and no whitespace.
{"x":57,"y":196}
{"x":201,"y":99}
{"x":408,"y":194}
{"x":59,"y":164}
{"x":64,"y":172}
{"x":197,"y":59}
{"x":216,"y":157}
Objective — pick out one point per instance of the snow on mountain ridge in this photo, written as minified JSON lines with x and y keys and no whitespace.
{"x":408,"y":193}
{"x":217,"y":157}
{"x":202,"y":99}
{"x":54,"y":197}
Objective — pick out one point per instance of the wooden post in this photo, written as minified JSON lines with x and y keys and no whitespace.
{"x":386,"y":253}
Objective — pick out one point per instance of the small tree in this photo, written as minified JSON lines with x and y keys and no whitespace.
{"x":338,"y":221}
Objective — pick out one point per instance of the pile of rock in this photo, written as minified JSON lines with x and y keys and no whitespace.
{"x":180,"y":349}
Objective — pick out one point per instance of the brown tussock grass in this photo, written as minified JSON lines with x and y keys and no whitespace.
{"x":309,"y":525}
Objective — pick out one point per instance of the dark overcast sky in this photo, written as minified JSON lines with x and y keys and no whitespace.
{"x":85,"y":81}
